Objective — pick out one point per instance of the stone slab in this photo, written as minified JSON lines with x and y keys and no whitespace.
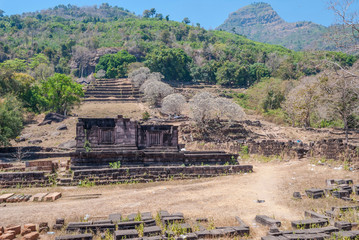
{"x":125,"y":234}
{"x":313,"y":214}
{"x":31,"y":236}
{"x":39,"y":197}
{"x":310,"y":223}
{"x":52,"y":196}
{"x":86,"y":236}
{"x":115,"y":217}
{"x":151,"y":231}
{"x":267,"y":221}
{"x":4,"y":197}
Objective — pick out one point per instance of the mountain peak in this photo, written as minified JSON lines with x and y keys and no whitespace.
{"x":256,"y":13}
{"x":260,"y":22}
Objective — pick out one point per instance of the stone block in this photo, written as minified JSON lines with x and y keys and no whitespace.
{"x":313,"y":214}
{"x":267,"y":221}
{"x":86,"y":236}
{"x":297,"y":195}
{"x":164,"y":213}
{"x":52,"y":197}
{"x":172,"y":219}
{"x":25,"y":231}
{"x":16,"y":229}
{"x":31,"y":236}
{"x":310,"y":223}
{"x":241,"y":222}
{"x":4,"y":197}
{"x":318,"y":236}
{"x":343,"y":226}
{"x":128,"y":225}
{"x":57,"y":226}
{"x":152,"y":231}
{"x":7,"y":236}
{"x":187,"y":236}
{"x":356,"y":189}
{"x":39,"y":197}
{"x":346,"y":235}
{"x":124,"y":234}
{"x":115,"y":217}
{"x":274,"y":238}
{"x":30,"y":226}
{"x":60,"y":221}
{"x":315,"y":193}
{"x":154,"y":238}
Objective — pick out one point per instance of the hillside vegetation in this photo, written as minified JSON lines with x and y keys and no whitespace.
{"x":42,"y":53}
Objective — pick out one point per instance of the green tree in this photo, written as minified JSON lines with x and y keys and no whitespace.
{"x":233,"y":74}
{"x":61,"y":93}
{"x":186,"y":20}
{"x":173,"y":63}
{"x":10,"y":119}
{"x":115,"y":65}
{"x":258,"y":71}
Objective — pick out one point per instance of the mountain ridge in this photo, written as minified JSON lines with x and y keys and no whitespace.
{"x":260,"y":22}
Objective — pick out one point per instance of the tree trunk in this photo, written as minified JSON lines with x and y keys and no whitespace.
{"x":346,"y":130}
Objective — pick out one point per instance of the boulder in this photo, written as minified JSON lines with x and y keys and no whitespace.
{"x":62,"y":127}
{"x":68,"y":144}
{"x":36,"y":141}
{"x":45,"y":122}
{"x":52,"y":117}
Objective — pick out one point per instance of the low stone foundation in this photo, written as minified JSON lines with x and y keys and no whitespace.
{"x":23,"y":179}
{"x":102,"y":159}
{"x":150,"y":174}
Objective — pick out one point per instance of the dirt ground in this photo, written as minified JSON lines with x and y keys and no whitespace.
{"x":220,"y":198}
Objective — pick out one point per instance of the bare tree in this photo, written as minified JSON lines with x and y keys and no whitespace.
{"x":101,"y":73}
{"x":143,"y":74}
{"x":303,"y":100}
{"x":173,"y":104}
{"x":154,"y":91}
{"x":346,"y":33}
{"x":342,"y":88}
{"x":81,"y":56}
{"x":206,"y":107}
{"x":141,"y":70}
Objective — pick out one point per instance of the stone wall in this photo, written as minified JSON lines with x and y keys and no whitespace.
{"x":330,"y":149}
{"x":273,"y":148}
{"x":104,"y":133}
{"x":83,"y":160}
{"x":23,"y":179}
{"x":149,"y":174}
{"x":335,"y":149}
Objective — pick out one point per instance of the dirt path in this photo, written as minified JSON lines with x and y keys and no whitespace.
{"x":220,"y":198}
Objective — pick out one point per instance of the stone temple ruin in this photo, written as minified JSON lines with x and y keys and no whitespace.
{"x":106,"y":140}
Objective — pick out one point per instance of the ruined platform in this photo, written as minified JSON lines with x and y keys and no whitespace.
{"x":102,"y":141}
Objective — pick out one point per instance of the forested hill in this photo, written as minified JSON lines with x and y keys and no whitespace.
{"x":91,"y":13}
{"x":260,"y":22}
{"x":73,"y":39}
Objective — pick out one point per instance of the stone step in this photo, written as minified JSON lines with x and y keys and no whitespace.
{"x":112,"y":93}
{"x":130,"y":90}
{"x":112,"y":97}
{"x":110,"y":100}
{"x":111,"y":85}
{"x":65,"y":180}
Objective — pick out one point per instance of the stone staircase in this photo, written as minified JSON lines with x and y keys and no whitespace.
{"x":114,"y":90}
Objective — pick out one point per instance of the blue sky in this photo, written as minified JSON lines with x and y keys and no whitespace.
{"x":209,"y":13}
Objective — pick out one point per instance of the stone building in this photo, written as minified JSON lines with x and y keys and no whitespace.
{"x":100,"y":141}
{"x":122,"y":133}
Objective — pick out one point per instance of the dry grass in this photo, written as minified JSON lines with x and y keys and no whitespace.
{"x":220,"y":198}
